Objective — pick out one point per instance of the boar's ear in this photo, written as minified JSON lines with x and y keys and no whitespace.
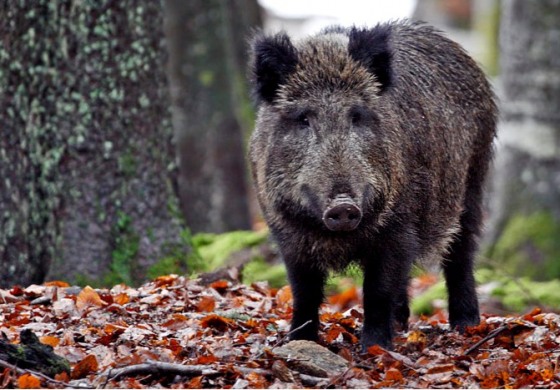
{"x":371,"y":48}
{"x":273,"y":59}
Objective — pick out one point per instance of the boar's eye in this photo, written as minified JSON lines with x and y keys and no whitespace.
{"x":356,"y":118}
{"x":300,"y":117}
{"x":303,"y":119}
{"x":359,"y":115}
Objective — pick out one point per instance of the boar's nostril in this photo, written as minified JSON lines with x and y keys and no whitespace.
{"x":342,"y":217}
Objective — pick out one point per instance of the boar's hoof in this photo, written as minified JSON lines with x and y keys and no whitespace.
{"x":342,"y":216}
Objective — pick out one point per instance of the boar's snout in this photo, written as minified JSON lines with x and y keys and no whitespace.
{"x":342,"y":215}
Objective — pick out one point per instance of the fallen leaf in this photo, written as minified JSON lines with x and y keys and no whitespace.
{"x":28,"y":381}
{"x":88,"y":297}
{"x":195,"y":383}
{"x":121,"y":299}
{"x":57,"y":283}
{"x":215,"y":321}
{"x":206,"y":304}
{"x":50,"y":340}
{"x":284,"y":297}
{"x":345,"y":299}
{"x":220,"y":286}
{"x":394,"y":375}
{"x":84,"y":367}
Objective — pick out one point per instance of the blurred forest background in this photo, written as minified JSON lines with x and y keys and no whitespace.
{"x":124,"y":126}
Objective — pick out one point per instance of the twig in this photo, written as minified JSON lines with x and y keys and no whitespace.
{"x":490,"y":335}
{"x":309,"y":380}
{"x":21,"y":371}
{"x":158,"y":368}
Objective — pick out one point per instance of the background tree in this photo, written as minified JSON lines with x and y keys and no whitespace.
{"x":525,"y":223}
{"x":85,"y":141}
{"x":211,"y":112}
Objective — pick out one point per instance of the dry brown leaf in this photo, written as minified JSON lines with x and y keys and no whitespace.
{"x":88,"y":297}
{"x":28,"y":381}
{"x":50,"y":340}
{"x":345,"y":299}
{"x":215,"y":321}
{"x":257,"y":381}
{"x":121,"y":299}
{"x":206,"y":304}
{"x":195,"y":383}
{"x":57,"y":283}
{"x":62,"y":377}
{"x":284,"y":297}
{"x":394,"y":375}
{"x":220,"y":285}
{"x":84,"y":367}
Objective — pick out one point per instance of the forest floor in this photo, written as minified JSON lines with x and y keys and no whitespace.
{"x":175,"y":332}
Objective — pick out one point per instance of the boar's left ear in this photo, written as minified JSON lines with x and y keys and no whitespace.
{"x":274,"y":58}
{"x":371,"y":48}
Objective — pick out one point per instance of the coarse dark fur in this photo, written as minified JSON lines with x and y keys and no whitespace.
{"x":396,"y":123}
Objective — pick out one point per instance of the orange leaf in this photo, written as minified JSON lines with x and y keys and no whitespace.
{"x":166,"y":280}
{"x":62,"y":377}
{"x":284,"y":296}
{"x":332,"y":334}
{"x":346,"y":298}
{"x":50,"y":340}
{"x":257,"y":381}
{"x":195,"y":383}
{"x":85,"y":366}
{"x":220,"y":285}
{"x":394,"y":375}
{"x":206,"y":304}
{"x":207,"y":359}
{"x":375,"y":350}
{"x":121,"y":299}
{"x":56,"y":283}
{"x":88,"y":297}
{"x":215,"y":321}
{"x":28,"y":381}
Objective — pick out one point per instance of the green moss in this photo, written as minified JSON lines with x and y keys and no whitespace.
{"x":258,"y":270}
{"x":212,"y":250}
{"x":424,"y":303}
{"x":123,"y":256}
{"x":529,"y":246}
{"x":341,"y":281}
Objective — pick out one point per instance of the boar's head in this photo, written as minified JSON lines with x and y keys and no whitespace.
{"x":324,"y":150}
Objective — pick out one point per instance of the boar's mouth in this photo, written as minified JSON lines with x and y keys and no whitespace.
{"x":342,"y":214}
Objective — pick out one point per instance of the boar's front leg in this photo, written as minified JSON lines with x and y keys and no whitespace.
{"x":307,"y":284}
{"x":386,"y":276}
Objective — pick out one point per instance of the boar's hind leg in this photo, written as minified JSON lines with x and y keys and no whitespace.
{"x":458,"y":266}
{"x":307,"y":290}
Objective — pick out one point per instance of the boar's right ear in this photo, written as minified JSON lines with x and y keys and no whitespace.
{"x":273,"y":59}
{"x":371,"y":48}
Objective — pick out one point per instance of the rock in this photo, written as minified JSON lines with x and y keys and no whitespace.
{"x":310,"y":358}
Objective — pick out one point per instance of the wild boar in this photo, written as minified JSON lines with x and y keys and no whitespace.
{"x":372,"y":146}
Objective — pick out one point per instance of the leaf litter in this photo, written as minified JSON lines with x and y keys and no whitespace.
{"x":175,"y":332}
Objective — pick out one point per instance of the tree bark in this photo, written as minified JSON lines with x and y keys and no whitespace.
{"x":208,"y":101}
{"x":87,"y":152}
{"x":525,"y":202}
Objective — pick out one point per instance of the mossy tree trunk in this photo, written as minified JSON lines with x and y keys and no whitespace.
{"x":525,"y":224}
{"x":210,"y":109}
{"x":85,"y":141}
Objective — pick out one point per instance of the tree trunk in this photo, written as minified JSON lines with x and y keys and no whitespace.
{"x":208,"y":100}
{"x":525,"y":204}
{"x":87,"y":147}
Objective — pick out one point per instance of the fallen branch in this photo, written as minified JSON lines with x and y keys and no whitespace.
{"x":490,"y":335}
{"x":160,"y":368}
